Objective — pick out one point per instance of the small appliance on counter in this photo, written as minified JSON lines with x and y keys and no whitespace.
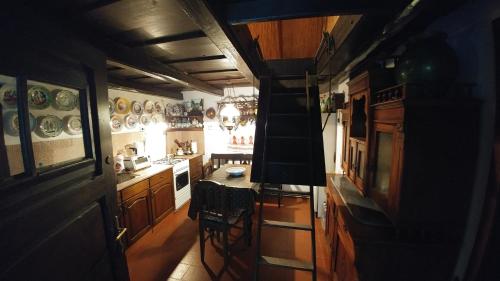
{"x":136,"y":162}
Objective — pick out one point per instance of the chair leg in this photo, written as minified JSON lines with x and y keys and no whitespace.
{"x":226,"y":247}
{"x":280,"y":195}
{"x":202,"y":241}
{"x":247,"y":228}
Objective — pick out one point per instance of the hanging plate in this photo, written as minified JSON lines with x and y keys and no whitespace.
{"x":149,"y":107}
{"x":111,"y":104}
{"x":64,"y":100}
{"x":159,"y":108}
{"x":137,"y":108}
{"x":210,"y":113}
{"x":73,"y":125}
{"x":11,"y":123}
{"x":131,"y":121}
{"x":39,"y":97}
{"x":122,"y":106}
{"x":49,"y":126}
{"x":9,"y":96}
{"x":145,"y":120}
{"x":156,"y":118}
{"x":116,"y":123}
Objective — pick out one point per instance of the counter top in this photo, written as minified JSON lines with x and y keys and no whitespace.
{"x":188,"y":156}
{"x":143,"y":174}
{"x":361,"y":208}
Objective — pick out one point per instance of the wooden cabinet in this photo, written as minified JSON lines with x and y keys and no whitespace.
{"x":162,"y":195}
{"x":146,"y":203}
{"x":137,"y":214}
{"x":196,"y":169}
{"x":357,"y":162}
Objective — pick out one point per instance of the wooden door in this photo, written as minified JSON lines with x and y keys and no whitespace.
{"x":58,"y":205}
{"x":162,"y":198}
{"x":137,"y":215}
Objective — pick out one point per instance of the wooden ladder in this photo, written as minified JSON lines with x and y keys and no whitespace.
{"x":270,"y":165}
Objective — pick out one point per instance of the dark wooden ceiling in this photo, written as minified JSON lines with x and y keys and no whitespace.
{"x":150,"y":39}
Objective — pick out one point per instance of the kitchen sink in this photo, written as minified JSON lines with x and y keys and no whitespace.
{"x":123,"y":177}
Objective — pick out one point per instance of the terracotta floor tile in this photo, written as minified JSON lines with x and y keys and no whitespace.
{"x":172,"y":251}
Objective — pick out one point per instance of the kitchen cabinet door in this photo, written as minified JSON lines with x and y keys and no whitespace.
{"x":196,"y":169}
{"x":162,"y":199}
{"x":136,"y":213}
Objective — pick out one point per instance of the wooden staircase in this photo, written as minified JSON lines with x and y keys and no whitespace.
{"x":288,"y":149}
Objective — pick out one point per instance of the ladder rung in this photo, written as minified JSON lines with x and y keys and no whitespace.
{"x":286,"y":263}
{"x":268,"y":190}
{"x":287,"y":137}
{"x":288,"y":114}
{"x":288,"y":163}
{"x":284,"y":224}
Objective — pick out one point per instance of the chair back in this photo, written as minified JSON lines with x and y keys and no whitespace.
{"x":219,"y":159}
{"x":213,"y":199}
{"x":247,"y":159}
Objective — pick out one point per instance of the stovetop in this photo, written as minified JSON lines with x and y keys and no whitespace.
{"x":168,"y":162}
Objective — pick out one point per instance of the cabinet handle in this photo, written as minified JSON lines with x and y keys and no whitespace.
{"x":121,"y":233}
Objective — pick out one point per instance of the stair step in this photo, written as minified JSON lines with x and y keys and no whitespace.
{"x":269,"y":190}
{"x":284,"y":224}
{"x":286,"y":263}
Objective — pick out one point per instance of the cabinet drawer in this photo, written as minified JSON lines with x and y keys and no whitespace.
{"x":345,"y":237}
{"x":160,"y":185}
{"x":132,"y":190}
{"x":165,"y":176}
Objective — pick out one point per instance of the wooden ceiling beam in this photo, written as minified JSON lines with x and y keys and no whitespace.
{"x":243,"y":12}
{"x":145,"y":88}
{"x":167,"y":39}
{"x":204,"y":58}
{"x":213,"y":71}
{"x":221,"y":35}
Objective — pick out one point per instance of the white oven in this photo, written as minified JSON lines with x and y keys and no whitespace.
{"x":182,"y":187}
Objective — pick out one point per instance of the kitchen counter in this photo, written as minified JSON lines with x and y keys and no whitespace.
{"x":143,"y":174}
{"x":188,"y":156}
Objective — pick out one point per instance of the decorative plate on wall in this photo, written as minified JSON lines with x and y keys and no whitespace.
{"x":210,"y":113}
{"x":72,"y":125}
{"x":11,"y":123}
{"x":116,"y":123}
{"x":49,"y":126}
{"x":122,"y":106}
{"x":145,"y":120}
{"x":156,"y":118}
{"x":159,"y":108}
{"x":137,"y":108}
{"x":149,"y":107}
{"x":9,"y":96}
{"x":39,"y":97}
{"x":111,"y":106}
{"x":131,"y":121}
{"x":64,"y":100}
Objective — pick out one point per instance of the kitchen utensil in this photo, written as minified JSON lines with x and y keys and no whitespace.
{"x":119,"y":164}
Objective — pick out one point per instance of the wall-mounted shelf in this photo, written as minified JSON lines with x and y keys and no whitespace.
{"x":184,"y":129}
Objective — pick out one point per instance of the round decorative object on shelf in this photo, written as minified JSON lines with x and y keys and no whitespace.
{"x":64,"y":100}
{"x":39,"y":97}
{"x":145,"y":120}
{"x":428,"y":59}
{"x":11,"y":123}
{"x":169,"y":109}
{"x":149,"y":107}
{"x":122,"y":106}
{"x":210,"y":113}
{"x":137,"y":108}
{"x":72,"y":125}
{"x":131,"y":121}
{"x":49,"y":126}
{"x":9,"y":96}
{"x":111,"y":105}
{"x":116,"y":123}
{"x":159,"y":108}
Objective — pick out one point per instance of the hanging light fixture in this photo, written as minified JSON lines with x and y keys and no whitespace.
{"x":229,"y":115}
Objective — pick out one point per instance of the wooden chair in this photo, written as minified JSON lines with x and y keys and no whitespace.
{"x":247,"y":159}
{"x":215,"y":216}
{"x":219,"y":159}
{"x":208,"y":168}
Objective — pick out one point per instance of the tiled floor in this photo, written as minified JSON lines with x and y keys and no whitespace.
{"x":171,"y":250}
